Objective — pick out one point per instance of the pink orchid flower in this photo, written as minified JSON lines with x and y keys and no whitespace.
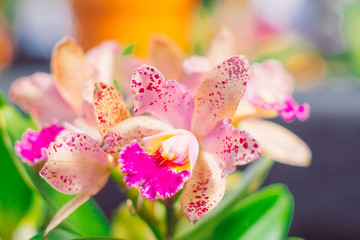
{"x":269,"y":94}
{"x":66,"y":94}
{"x":200,"y":147}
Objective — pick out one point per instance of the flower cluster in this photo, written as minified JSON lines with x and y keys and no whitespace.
{"x":189,"y":142}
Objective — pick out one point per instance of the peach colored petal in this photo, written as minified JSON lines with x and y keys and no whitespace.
{"x":222,"y":47}
{"x":75,"y":163}
{"x":71,"y":71}
{"x":165,"y":55}
{"x":109,"y":107}
{"x":133,"y":128}
{"x":220,"y":94}
{"x":29,"y":92}
{"x":277,"y":142}
{"x":204,"y":190}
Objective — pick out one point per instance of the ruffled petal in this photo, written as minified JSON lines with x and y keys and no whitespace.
{"x":133,"y":128}
{"x":71,"y":71}
{"x":33,"y":147}
{"x":277,"y":142}
{"x":156,"y":177}
{"x":109,"y":107}
{"x":230,"y":146}
{"x":29,"y":92}
{"x":204,"y":190}
{"x":291,"y":110}
{"x":222,"y":46}
{"x":75,"y":163}
{"x":102,"y":59}
{"x":167,"y":101}
{"x":166,"y":56}
{"x":220,"y":93}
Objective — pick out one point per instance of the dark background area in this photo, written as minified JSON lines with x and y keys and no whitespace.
{"x":326,"y":194}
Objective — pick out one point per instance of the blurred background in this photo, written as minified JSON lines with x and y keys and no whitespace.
{"x":317,"y":41}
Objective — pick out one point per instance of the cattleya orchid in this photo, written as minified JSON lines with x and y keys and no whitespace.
{"x":269,"y":93}
{"x":200,"y":147}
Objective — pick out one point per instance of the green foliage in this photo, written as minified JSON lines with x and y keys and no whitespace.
{"x":128,"y":50}
{"x":352,"y":35}
{"x":127,"y":226}
{"x":56,"y":234}
{"x":15,"y":195}
{"x":88,"y":220}
{"x":265,"y":214}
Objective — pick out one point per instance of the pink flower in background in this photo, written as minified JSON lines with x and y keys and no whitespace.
{"x":269,"y":94}
{"x":200,"y":147}
{"x":271,"y":88}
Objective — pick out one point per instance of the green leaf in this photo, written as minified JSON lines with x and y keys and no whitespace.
{"x":97,"y":238}
{"x":253,"y":178}
{"x":15,"y":195}
{"x":56,"y":234}
{"x":265,"y":214}
{"x":125,"y":225}
{"x":352,"y":35}
{"x":129,"y":49}
{"x":88,"y":219}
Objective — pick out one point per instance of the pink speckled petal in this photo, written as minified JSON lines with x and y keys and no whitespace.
{"x":33,"y":147}
{"x":133,"y":128}
{"x":230,"y":146}
{"x":109,"y":107}
{"x":167,"y":101}
{"x":204,"y":190}
{"x":277,"y":142}
{"x":166,"y":56}
{"x":29,"y":92}
{"x":222,"y":46}
{"x":156,"y":177}
{"x":75,"y":203}
{"x":75,"y":163}
{"x":71,"y":71}
{"x":102,"y":59}
{"x":220,"y":94}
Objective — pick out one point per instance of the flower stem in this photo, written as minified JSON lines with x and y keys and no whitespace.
{"x":171,"y":219}
{"x":144,"y":210}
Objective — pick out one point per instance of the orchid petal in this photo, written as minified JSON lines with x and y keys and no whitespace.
{"x":278,"y":143}
{"x":196,"y":68}
{"x":75,"y":203}
{"x":102,"y":59}
{"x":220,"y":93}
{"x":33,"y":147}
{"x":179,"y":143}
{"x":231,"y":146}
{"x":222,"y":46}
{"x":123,"y":72}
{"x":133,"y":128}
{"x":168,"y":102}
{"x":75,"y":163}
{"x":156,"y":177}
{"x":71,"y":71}
{"x":204,"y":190}
{"x":29,"y":92}
{"x":109,"y":107}
{"x":166,"y":56}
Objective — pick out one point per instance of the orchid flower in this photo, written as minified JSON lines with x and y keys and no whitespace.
{"x":69,"y":88}
{"x":200,"y":147}
{"x":269,"y":94}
